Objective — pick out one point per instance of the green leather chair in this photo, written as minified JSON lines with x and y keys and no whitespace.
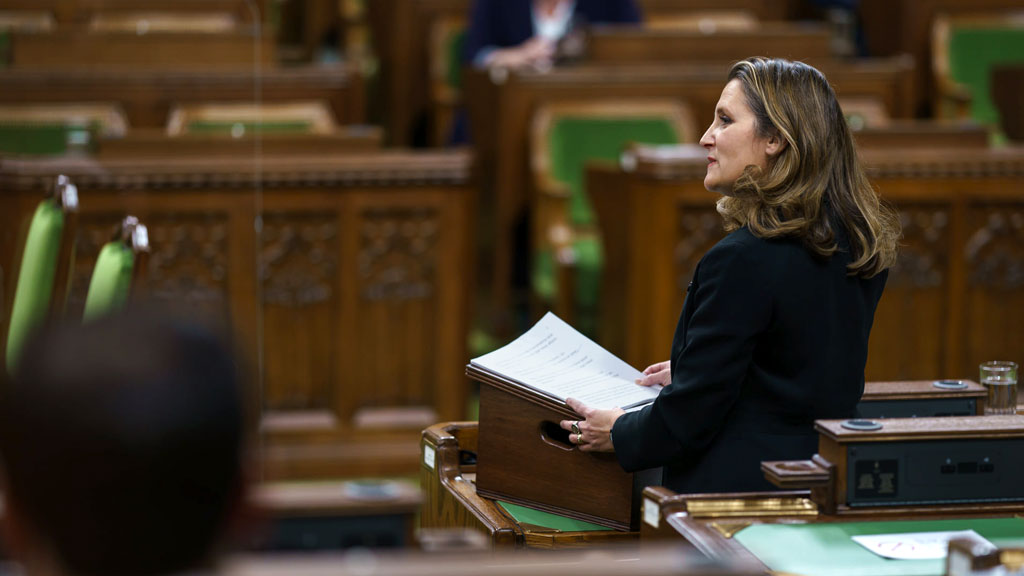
{"x":119,"y":268}
{"x":45,"y":271}
{"x":965,"y":49}
{"x":567,"y":254}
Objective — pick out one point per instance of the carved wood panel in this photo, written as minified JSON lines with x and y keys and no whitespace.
{"x":908,"y":338}
{"x":700,"y":228}
{"x":298,"y":271}
{"x":188,"y":264}
{"x":994,"y":303}
{"x":398,"y":258}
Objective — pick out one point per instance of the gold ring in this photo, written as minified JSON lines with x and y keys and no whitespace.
{"x":576,"y":427}
{"x":579,"y":438}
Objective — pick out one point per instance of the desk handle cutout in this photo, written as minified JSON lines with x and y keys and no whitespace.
{"x":552,"y":434}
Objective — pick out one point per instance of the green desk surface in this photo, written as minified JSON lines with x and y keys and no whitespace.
{"x":826,"y":549}
{"x":525,"y":515}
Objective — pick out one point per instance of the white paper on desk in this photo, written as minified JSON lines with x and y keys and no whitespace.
{"x":554,"y":359}
{"x":916,"y":545}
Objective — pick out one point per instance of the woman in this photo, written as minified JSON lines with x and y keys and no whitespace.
{"x":524,"y":33}
{"x":774,"y":329}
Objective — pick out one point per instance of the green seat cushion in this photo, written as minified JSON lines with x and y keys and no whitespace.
{"x":453,"y":50}
{"x":35,"y":277}
{"x":825,"y":549}
{"x":111,"y":281}
{"x":574,"y":141}
{"x":43,"y":138}
{"x":228,"y":127}
{"x":973,"y":52}
{"x":524,"y":515}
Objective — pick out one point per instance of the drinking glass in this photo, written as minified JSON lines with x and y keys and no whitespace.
{"x":1000,"y":379}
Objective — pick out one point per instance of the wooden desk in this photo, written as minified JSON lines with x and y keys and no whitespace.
{"x":448,"y":476}
{"x":154,"y":143}
{"x":308,"y":516}
{"x":147,"y":96}
{"x":500,"y":108}
{"x":954,"y":299}
{"x":81,"y":11}
{"x":624,"y":45}
{"x":783,"y":530}
{"x":357,"y":287}
{"x":75,"y":48}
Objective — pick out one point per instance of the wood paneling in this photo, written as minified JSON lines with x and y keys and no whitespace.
{"x":953,"y":300}
{"x":352,"y":297}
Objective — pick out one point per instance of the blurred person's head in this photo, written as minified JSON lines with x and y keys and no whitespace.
{"x":785,"y":160}
{"x":121,"y":444}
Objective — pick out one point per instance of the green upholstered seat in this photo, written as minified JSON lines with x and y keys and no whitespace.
{"x":111,"y":281}
{"x":572,"y":142}
{"x":525,"y":515}
{"x":42,"y":139}
{"x":453,"y":49}
{"x":825,"y":549}
{"x":35,"y":277}
{"x":227,"y":127}
{"x":973,"y":52}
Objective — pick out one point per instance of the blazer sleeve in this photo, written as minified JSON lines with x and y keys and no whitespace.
{"x":713,"y":350}
{"x":479,"y":35}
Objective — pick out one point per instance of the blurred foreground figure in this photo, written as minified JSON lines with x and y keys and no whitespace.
{"x":121,"y":442}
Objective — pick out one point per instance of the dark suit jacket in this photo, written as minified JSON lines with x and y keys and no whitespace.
{"x":771,"y":337}
{"x":506,"y":23}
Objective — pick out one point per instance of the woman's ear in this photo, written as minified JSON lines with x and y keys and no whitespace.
{"x":775,"y":144}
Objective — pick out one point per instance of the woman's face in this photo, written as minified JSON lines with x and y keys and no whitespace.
{"x":732,"y":141}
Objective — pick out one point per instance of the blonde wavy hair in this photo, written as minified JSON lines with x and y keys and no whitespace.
{"x":816,"y":181}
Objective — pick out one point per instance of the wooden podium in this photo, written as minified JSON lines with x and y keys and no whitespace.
{"x":524,"y":457}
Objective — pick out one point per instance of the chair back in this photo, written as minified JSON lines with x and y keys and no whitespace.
{"x":965,"y":48}
{"x":238,"y":119}
{"x":566,"y":136}
{"x":54,"y":129}
{"x":44,"y":275}
{"x":118,"y":271}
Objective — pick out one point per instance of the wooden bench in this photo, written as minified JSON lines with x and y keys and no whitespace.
{"x":354,"y":296}
{"x":147,"y":96}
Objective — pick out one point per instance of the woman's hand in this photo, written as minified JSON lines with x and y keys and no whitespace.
{"x":592,"y":433}
{"x":659,"y":374}
{"x":535,"y":53}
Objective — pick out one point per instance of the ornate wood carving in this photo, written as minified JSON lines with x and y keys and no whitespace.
{"x":995,"y":247}
{"x":924,"y":251}
{"x":189,"y":258}
{"x":398,"y":253}
{"x":298,"y":259}
{"x":699,"y":229}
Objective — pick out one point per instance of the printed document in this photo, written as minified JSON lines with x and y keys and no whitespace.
{"x":554,"y":359}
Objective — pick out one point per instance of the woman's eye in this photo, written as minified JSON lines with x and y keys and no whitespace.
{"x":724,"y":119}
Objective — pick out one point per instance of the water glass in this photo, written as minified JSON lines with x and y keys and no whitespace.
{"x":1000,"y":378}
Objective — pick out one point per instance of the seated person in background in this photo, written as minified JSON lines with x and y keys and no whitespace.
{"x":524,"y":33}
{"x":774,"y":329}
{"x":122,"y":447}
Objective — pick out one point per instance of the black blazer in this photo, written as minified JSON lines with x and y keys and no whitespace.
{"x":507,"y":23}
{"x":771,"y":337}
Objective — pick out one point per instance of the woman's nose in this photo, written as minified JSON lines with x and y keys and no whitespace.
{"x":705,"y":140}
